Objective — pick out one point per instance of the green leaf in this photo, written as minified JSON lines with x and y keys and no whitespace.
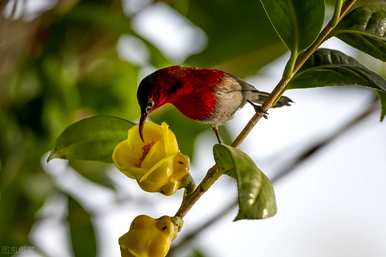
{"x":327,"y":67}
{"x":365,"y":28}
{"x":382,"y":101}
{"x":91,"y":139}
{"x":297,"y":22}
{"x":96,"y":172}
{"x":82,"y":233}
{"x":256,"y":196}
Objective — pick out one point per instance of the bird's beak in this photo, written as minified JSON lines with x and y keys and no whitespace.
{"x":141,"y":123}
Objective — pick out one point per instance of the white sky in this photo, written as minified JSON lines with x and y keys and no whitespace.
{"x":332,"y":206}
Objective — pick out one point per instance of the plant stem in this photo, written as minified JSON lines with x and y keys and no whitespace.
{"x":296,"y":63}
{"x":212,"y":175}
{"x":290,"y":64}
{"x":337,"y":12}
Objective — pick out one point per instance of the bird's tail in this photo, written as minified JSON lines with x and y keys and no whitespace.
{"x":259,"y":97}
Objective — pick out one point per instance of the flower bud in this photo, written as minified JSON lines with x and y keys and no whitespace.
{"x":148,"y":237}
{"x":156,"y":163}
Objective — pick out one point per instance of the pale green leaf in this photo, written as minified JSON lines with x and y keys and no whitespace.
{"x":255,"y":192}
{"x":91,"y":139}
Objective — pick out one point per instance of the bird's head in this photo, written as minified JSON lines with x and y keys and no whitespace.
{"x":155,"y":91}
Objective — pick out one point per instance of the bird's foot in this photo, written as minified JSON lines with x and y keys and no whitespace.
{"x":259,"y":109}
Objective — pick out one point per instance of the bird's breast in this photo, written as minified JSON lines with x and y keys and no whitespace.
{"x":229,"y":99}
{"x":197,"y":105}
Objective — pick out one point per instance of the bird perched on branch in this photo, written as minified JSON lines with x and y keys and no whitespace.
{"x":207,"y":95}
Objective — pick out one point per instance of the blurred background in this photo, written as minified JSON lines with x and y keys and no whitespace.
{"x":64,"y":60}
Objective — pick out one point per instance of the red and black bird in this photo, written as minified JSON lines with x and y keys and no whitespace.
{"x":203,"y":94}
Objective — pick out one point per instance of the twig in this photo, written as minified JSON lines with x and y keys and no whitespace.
{"x":214,"y":173}
{"x":303,"y":156}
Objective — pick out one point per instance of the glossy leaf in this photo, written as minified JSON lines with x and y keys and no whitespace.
{"x":255,"y":192}
{"x":297,"y":22}
{"x":82,"y":233}
{"x":91,"y":139}
{"x":328,"y":67}
{"x":365,"y":28}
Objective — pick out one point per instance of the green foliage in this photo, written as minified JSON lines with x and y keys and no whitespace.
{"x":96,"y":172}
{"x":328,"y":67}
{"x":113,"y":21}
{"x":364,"y":28}
{"x":82,"y":233}
{"x":63,"y":66}
{"x":382,"y":100}
{"x":91,"y":139}
{"x":256,"y":195}
{"x":240,"y":40}
{"x":23,"y":184}
{"x":297,"y":22}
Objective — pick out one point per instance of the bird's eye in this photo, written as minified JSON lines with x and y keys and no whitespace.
{"x":149,"y":105}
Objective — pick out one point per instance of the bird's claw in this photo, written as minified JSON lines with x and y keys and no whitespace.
{"x":259,"y":109}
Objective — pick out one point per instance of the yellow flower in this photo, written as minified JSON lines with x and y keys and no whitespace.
{"x":148,"y":237}
{"x":156,"y":164}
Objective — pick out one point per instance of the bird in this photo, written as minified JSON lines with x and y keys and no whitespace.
{"x":207,"y":95}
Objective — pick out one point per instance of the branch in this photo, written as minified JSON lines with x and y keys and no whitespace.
{"x":302,"y":157}
{"x":283,"y":83}
{"x":214,"y":173}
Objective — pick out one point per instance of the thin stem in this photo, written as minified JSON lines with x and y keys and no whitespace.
{"x":189,"y":185}
{"x":211,"y":177}
{"x":290,"y":64}
{"x":214,"y":173}
{"x":337,"y":12}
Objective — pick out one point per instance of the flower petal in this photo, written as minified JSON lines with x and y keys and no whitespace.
{"x":151,"y":132}
{"x":154,"y":155}
{"x":180,"y":166}
{"x":148,"y":237}
{"x":169,"y":140}
{"x":125,"y":159}
{"x":157,"y":176}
